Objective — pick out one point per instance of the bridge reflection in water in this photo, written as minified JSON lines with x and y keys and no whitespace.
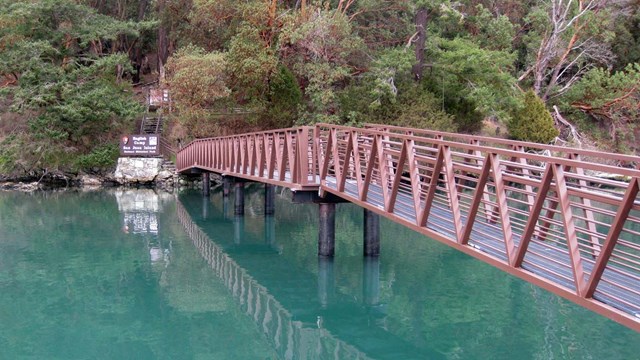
{"x":292,"y":339}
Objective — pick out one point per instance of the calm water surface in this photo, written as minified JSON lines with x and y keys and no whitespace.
{"x":142,"y":275}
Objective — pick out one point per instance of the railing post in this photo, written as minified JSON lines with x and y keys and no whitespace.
{"x":304,"y":150}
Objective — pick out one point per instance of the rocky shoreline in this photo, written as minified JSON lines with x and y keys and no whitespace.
{"x":129,"y":172}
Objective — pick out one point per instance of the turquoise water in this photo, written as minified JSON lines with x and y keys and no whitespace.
{"x":115,"y":275}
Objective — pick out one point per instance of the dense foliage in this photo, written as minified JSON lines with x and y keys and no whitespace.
{"x":71,"y":92}
{"x":67,"y":66}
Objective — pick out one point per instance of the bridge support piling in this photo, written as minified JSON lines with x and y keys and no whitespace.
{"x":238,"y":229}
{"x":225,"y":207}
{"x":270,"y":230}
{"x":325,"y":280}
{"x":371,"y":233}
{"x":226,"y":186}
{"x":206,"y":184}
{"x":371,"y":280}
{"x":205,"y":207}
{"x":327,"y":229}
{"x":238,"y":208}
{"x":269,"y":199}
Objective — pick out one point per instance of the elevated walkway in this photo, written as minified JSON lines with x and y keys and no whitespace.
{"x":567,"y":220}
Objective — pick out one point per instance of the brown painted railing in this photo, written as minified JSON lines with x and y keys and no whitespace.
{"x":543,"y":213}
{"x":281,"y":157}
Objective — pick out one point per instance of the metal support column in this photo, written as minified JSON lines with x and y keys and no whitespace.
{"x":327,"y":229}
{"x":270,"y":230}
{"x":205,"y":207}
{"x":226,"y":186}
{"x":239,"y":198}
{"x":206,"y":184}
{"x":371,"y":236}
{"x":371,"y":280}
{"x":326,"y":280}
{"x":238,"y":229}
{"x":225,"y":208}
{"x":269,"y":199}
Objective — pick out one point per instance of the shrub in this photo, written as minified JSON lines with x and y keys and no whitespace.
{"x":532,"y":122}
{"x":102,"y":156}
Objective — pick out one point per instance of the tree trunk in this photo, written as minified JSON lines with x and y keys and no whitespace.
{"x":163,"y":42}
{"x":138,"y":56}
{"x":422,"y":16}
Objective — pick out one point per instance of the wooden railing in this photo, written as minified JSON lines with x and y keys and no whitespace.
{"x":544,"y":213}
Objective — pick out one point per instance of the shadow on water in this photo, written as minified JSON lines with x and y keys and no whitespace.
{"x":301,"y":313}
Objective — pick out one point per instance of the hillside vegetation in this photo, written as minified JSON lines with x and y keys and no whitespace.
{"x":70,"y":70}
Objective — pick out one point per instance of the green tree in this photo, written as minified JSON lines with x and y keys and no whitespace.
{"x":532,"y":122}
{"x":474,"y":82}
{"x":72,"y":94}
{"x":609,"y":100}
{"x":322,"y":50}
{"x":198,"y":83}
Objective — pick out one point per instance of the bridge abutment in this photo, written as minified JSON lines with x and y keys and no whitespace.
{"x":371,"y":233}
{"x":327,"y":229}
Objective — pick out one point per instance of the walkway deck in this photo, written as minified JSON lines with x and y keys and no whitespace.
{"x":536,"y":211}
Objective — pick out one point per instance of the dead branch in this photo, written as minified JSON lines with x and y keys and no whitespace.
{"x":574,"y":133}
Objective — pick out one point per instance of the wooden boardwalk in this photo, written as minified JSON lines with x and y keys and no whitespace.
{"x":539,"y":212}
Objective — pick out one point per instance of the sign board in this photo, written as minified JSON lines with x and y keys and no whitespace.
{"x":140,"y":145}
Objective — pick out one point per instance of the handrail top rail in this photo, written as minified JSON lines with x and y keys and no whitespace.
{"x":605,"y":154}
{"x":273,"y":131}
{"x":500,"y":151}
